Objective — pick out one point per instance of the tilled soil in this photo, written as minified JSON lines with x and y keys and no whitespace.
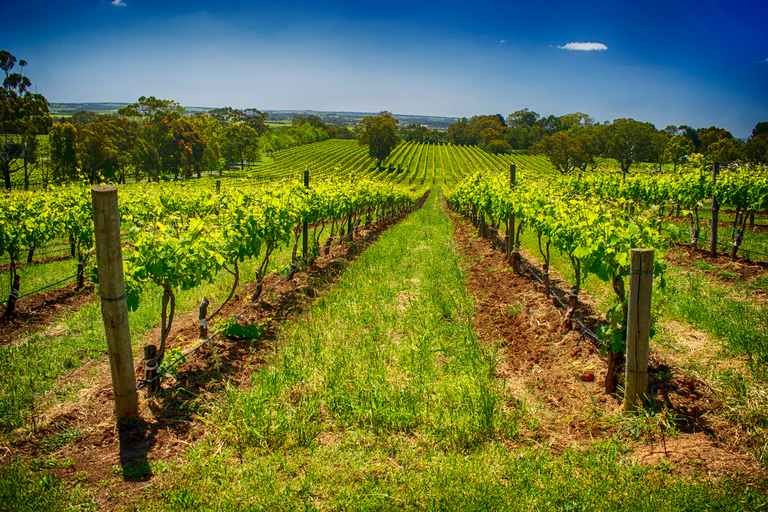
{"x":559,"y":377}
{"x":42,"y":309}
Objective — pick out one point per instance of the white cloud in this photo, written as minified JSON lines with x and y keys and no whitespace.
{"x":584,"y":47}
{"x":765,"y":61}
{"x":119,"y":3}
{"x":503,"y":41}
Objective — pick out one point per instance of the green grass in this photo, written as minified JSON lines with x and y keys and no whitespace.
{"x":742,"y":325}
{"x":31,"y":488}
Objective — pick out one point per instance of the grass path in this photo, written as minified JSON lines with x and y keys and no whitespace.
{"x":381,"y":397}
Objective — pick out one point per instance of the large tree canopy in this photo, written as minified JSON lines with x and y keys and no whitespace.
{"x":379,"y":133}
{"x":629,"y":141}
{"x":569,"y":150}
{"x":23,"y":116}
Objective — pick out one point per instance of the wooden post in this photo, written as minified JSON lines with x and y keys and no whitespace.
{"x":715,"y":211}
{"x":150,"y":351}
{"x":202,"y":316}
{"x":218,"y":186}
{"x":114,"y":306}
{"x":513,"y":255}
{"x":305,"y":226}
{"x":638,"y":328}
{"x":80,"y":274}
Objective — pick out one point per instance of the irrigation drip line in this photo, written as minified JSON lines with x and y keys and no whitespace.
{"x":145,"y":382}
{"x":584,"y":328}
{"x":43,"y":288}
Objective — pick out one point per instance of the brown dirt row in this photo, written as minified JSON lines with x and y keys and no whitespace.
{"x":41,"y":310}
{"x":559,"y":377}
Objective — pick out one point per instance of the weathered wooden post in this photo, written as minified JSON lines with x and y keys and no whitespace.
{"x":114,"y":306}
{"x":305,"y":226}
{"x":638,"y":328}
{"x":218,"y":186}
{"x":715,"y":211}
{"x":202,"y":318}
{"x":513,"y":254}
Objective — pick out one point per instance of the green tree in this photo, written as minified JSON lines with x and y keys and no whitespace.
{"x":83,"y":117}
{"x":240,"y":144}
{"x":459,"y":133}
{"x":210,"y":130}
{"x":96,"y":150}
{"x":23,"y":116}
{"x":149,"y":148}
{"x":629,"y":141}
{"x":756,"y":149}
{"x":187,"y":149}
{"x":63,"y":151}
{"x":568,"y":150}
{"x":710,"y":136}
{"x":678,"y":148}
{"x":489,"y":132}
{"x":760,"y":128}
{"x":724,"y":150}
{"x":379,"y":133}
{"x":250,"y":116}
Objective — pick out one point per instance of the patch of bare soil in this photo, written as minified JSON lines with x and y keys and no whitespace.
{"x":42,"y":309}
{"x":560,"y":376}
{"x":114,"y":460}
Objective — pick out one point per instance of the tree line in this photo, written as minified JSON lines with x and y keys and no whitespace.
{"x":150,"y":139}
{"x":574,"y":141}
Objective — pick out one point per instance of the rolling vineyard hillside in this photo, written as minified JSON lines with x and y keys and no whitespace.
{"x":405,"y":359}
{"x":411,"y":163}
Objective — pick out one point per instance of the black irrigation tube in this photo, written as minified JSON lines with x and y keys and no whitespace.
{"x":41,"y":289}
{"x":562,"y":305}
{"x":144,"y":382}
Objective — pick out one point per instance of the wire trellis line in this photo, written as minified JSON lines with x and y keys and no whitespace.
{"x":142,"y":383}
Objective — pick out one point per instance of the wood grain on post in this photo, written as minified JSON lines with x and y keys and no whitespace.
{"x":114,"y":306}
{"x":638,"y":328}
{"x":715,"y":211}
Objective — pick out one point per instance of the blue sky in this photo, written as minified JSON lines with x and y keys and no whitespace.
{"x":699,"y":63}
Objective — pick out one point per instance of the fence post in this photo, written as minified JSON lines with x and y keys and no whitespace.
{"x":715,"y":210}
{"x":305,"y":226}
{"x":638,"y":328}
{"x":513,"y":254}
{"x":114,"y":306}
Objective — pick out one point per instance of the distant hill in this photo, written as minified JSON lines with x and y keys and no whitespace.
{"x":333,"y":117}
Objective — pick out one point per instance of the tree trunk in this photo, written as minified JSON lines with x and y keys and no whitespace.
{"x":80,"y":274}
{"x":10,"y":309}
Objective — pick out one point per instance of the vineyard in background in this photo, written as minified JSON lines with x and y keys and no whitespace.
{"x":411,"y":163}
